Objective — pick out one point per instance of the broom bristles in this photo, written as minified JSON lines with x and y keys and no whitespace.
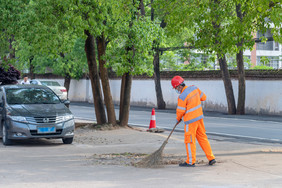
{"x":153,"y":160}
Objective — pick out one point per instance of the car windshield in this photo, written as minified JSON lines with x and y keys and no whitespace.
{"x":50,"y":83}
{"x":31,"y":96}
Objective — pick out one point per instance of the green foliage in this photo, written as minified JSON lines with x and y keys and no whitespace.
{"x":73,"y":63}
{"x":10,"y":22}
{"x":43,"y":37}
{"x":215,"y":24}
{"x":262,"y":67}
{"x":131,"y":50}
{"x":264,"y":64}
{"x":169,"y":61}
{"x":41,"y":32}
{"x":247,"y":62}
{"x":193,"y":61}
{"x":264,"y":61}
{"x":130,"y":37}
{"x":270,"y":17}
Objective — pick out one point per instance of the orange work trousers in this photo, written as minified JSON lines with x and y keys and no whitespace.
{"x":193,"y":131}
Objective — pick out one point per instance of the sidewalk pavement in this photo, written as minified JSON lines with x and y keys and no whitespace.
{"x":239,"y":163}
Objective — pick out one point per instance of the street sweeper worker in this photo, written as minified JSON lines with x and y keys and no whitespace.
{"x":190,"y":109}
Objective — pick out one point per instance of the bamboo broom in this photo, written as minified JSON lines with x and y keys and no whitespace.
{"x":154,"y":160}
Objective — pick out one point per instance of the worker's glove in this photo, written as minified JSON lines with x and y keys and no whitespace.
{"x":179,"y":121}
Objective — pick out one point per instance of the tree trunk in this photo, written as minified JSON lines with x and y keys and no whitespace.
{"x":12,"y":53}
{"x":105,"y":80}
{"x":241,"y":83}
{"x":227,"y":85}
{"x":67,"y":82}
{"x":94,"y":77}
{"x":126,"y":100}
{"x":159,"y":94}
{"x":67,"y":85}
{"x":157,"y":79}
{"x":67,"y":76}
{"x":142,"y":7}
{"x":122,"y":91}
{"x":127,"y":77}
{"x":224,"y":70}
{"x":31,"y":68}
{"x":241,"y":70}
{"x":152,"y":11}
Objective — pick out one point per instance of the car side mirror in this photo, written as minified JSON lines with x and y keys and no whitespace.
{"x":66,"y":102}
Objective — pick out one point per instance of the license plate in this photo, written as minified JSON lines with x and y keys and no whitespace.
{"x":42,"y":130}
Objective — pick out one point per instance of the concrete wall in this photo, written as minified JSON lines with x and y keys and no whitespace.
{"x":262,"y":96}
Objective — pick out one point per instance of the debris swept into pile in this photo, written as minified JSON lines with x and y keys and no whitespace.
{"x":131,"y":159}
{"x":125,"y":159}
{"x":154,"y":160}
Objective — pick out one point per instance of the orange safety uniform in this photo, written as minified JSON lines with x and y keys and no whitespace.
{"x":190,"y":109}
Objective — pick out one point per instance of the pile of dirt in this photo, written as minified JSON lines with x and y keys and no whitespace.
{"x":107,"y":134}
{"x":95,"y":126}
{"x":131,"y":159}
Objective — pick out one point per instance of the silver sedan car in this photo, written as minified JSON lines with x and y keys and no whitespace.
{"x":34,"y":111}
{"x":61,"y":91}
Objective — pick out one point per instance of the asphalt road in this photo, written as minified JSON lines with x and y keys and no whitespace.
{"x":258,"y":128}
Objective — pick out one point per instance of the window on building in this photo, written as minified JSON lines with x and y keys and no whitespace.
{"x":268,"y":45}
{"x":258,"y":61}
{"x":274,"y":62}
{"x":271,"y":61}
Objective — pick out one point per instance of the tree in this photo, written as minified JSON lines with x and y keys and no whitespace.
{"x":54,"y":44}
{"x":40,"y":38}
{"x":208,"y":22}
{"x":98,"y":23}
{"x":160,"y":101}
{"x":11,"y":15}
{"x":94,"y":77}
{"x":65,"y":21}
{"x":245,"y":22}
{"x":223,"y":27}
{"x":61,"y":24}
{"x":101,"y":45}
{"x":129,"y":52}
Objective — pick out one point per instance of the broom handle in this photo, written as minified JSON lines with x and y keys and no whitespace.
{"x":172,"y":130}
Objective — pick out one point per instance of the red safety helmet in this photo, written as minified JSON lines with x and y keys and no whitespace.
{"x":176,"y":81}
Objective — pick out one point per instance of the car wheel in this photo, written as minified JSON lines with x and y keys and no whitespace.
{"x":67,"y":140}
{"x":5,"y":139}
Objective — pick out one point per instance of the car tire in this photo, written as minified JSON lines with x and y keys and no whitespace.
{"x":6,"y":141}
{"x":67,"y":140}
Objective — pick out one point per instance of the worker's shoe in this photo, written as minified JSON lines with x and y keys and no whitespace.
{"x":212,"y":162}
{"x":186,"y":165}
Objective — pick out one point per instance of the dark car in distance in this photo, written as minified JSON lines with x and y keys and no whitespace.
{"x":34,"y":111}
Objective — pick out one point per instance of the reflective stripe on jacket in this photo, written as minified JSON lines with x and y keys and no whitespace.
{"x":189,"y":105}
